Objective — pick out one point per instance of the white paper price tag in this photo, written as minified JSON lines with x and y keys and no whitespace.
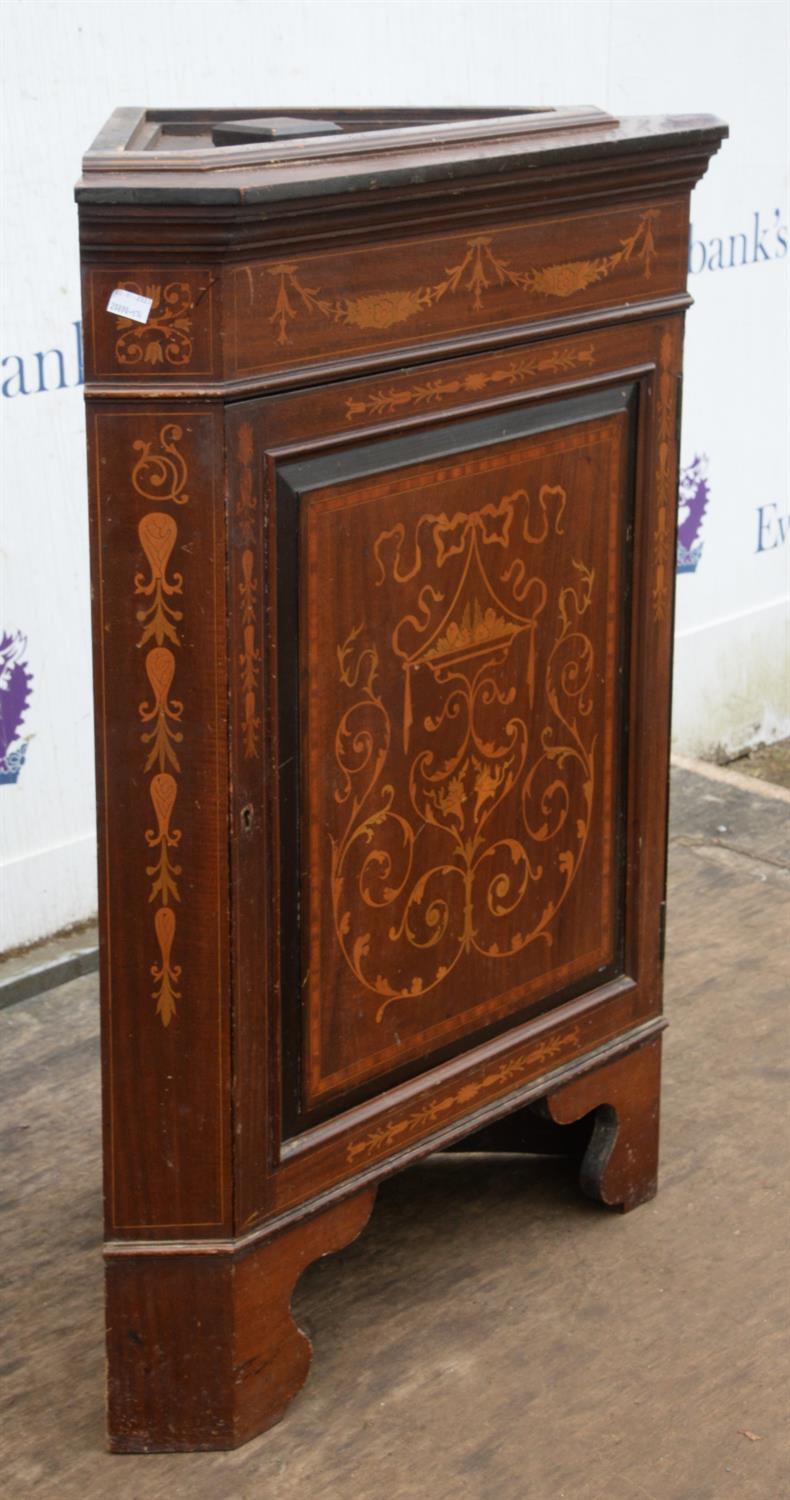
{"x":130,"y":305}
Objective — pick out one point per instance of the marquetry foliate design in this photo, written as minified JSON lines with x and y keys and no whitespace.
{"x":175,"y":343}
{"x":161,"y":472}
{"x":470,"y":724}
{"x":666,"y":473}
{"x":475,"y":890}
{"x":315,"y":308}
{"x":166,"y":338}
{"x":388,"y":401}
{"x":441,"y":1108}
{"x":161,"y":693}
{"x":249,"y":659}
{"x":480,"y":266}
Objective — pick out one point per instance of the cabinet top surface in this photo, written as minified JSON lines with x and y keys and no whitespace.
{"x":257,"y":155}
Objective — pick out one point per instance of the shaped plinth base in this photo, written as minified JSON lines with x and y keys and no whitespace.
{"x":620,"y":1164}
{"x":202,"y":1349}
{"x":607,"y":1121}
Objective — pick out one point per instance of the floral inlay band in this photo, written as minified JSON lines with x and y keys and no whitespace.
{"x":249,"y":656}
{"x":479,"y":269}
{"x":385,"y":403}
{"x":498,"y":1078}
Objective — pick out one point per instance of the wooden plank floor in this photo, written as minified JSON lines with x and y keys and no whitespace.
{"x":492,"y":1334}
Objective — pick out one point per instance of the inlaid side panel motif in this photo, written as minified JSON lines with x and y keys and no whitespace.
{"x":160,"y":633}
{"x":161,"y":738}
{"x":160,"y":473}
{"x":249,"y":657}
{"x":166,"y":339}
{"x":462,"y":670}
{"x":176,"y":341}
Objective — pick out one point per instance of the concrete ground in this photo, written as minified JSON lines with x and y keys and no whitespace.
{"x":492,"y":1336}
{"x":770,"y":762}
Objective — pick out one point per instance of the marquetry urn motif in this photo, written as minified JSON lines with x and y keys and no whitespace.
{"x":465,"y":673}
{"x":470,"y":891}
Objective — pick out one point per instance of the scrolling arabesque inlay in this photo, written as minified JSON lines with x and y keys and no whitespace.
{"x":161,"y":474}
{"x":250,"y":655}
{"x":500,"y":1077}
{"x":479,"y":269}
{"x":473,"y":892}
{"x":166,"y":338}
{"x":386,"y":403}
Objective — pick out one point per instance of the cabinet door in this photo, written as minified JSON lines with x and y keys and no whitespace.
{"x":451,"y":628}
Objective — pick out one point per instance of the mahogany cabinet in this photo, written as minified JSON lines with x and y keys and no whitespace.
{"x":383,"y":461}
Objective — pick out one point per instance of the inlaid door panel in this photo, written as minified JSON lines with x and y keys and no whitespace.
{"x":452,"y":659}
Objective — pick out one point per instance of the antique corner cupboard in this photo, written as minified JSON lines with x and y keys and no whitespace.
{"x":383,"y":460}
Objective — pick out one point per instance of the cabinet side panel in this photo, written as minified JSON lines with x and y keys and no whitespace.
{"x":160,"y":651}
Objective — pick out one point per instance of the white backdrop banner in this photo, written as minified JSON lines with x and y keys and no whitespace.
{"x":70,"y":64}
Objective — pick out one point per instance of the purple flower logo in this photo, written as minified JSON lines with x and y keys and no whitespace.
{"x":692,"y":505}
{"x":15,"y":684}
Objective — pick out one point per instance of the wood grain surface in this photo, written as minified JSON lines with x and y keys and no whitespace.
{"x":383,"y":675}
